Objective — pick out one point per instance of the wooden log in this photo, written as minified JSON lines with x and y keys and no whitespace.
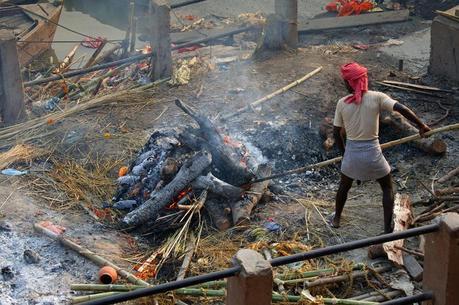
{"x":271,"y":38}
{"x":216,"y":208}
{"x":161,"y":61}
{"x":65,"y":64}
{"x":326,"y":132}
{"x":148,"y":212}
{"x":126,"y":41}
{"x":133,"y":34}
{"x":241,"y":209}
{"x":217,"y":187}
{"x":403,"y":217}
{"x":12,"y":107}
{"x":96,"y":53}
{"x":225,"y":158}
{"x":447,"y":191}
{"x":449,"y":175}
{"x":432,"y":145}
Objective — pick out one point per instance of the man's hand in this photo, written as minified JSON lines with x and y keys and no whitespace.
{"x":423,"y":129}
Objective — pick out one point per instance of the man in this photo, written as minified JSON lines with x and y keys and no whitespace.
{"x":358,"y":116}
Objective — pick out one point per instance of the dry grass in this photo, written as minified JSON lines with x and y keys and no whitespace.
{"x":19,"y":153}
{"x":70,"y":183}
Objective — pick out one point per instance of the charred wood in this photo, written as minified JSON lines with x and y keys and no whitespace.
{"x":224,"y":158}
{"x":242,"y":209}
{"x":217,"y":187}
{"x":216,"y":208}
{"x":151,"y":208}
{"x":433,"y":146}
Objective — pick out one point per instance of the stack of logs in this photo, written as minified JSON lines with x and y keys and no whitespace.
{"x":178,"y":165}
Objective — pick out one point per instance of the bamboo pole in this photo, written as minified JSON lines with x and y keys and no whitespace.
{"x":337,"y":159}
{"x":91,"y":297}
{"x":99,"y":260}
{"x":128,"y":30}
{"x":104,"y":288}
{"x":190,"y":247}
{"x":370,"y":294}
{"x":270,"y":96}
{"x":133,"y":35}
{"x":96,"y":53}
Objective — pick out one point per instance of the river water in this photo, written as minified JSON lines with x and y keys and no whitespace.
{"x":104,"y":18}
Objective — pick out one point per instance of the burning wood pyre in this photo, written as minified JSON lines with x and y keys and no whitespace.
{"x":178,"y":165}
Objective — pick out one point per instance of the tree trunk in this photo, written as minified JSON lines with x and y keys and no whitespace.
{"x":433,"y":146}
{"x":148,"y":212}
{"x":241,"y":210}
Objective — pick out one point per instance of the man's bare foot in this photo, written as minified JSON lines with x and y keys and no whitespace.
{"x":333,"y":221}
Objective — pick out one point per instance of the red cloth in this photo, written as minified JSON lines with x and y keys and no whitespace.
{"x":349,"y":7}
{"x":357,"y":77}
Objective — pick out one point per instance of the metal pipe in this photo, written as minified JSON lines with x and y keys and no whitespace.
{"x":195,"y":280}
{"x":353,"y":245}
{"x":274,"y":262}
{"x":131,"y":59}
{"x":411,"y":299}
{"x":185,"y":3}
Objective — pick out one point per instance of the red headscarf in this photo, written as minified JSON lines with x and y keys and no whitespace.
{"x":357,"y":77}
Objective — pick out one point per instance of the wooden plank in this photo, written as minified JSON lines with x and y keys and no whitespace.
{"x":330,"y":23}
{"x":12,"y":107}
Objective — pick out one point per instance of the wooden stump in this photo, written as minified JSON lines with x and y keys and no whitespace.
{"x":161,"y":61}
{"x":287,"y":10}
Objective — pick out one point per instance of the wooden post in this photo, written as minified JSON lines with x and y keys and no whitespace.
{"x":126,"y":42}
{"x":441,"y":262}
{"x":12,"y":107}
{"x":161,"y":61}
{"x":287,"y":10}
{"x":254,"y":285}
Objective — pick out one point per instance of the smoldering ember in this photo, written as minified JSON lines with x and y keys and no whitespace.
{"x":229,"y":152}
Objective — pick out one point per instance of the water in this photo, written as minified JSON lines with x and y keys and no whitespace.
{"x":104,"y":18}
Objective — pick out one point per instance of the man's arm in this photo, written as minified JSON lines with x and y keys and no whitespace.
{"x":338,"y":135}
{"x":412,"y":117}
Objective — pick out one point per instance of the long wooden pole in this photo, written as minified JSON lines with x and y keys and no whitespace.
{"x":270,"y":96}
{"x":99,"y":260}
{"x":337,"y":159}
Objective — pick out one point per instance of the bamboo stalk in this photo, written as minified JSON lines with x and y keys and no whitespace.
{"x":91,"y":297}
{"x":275,"y":93}
{"x":416,"y":86}
{"x":336,"y":279}
{"x":99,"y":260}
{"x":65,"y":64}
{"x":337,"y":159}
{"x":93,"y":57}
{"x":385,"y":297}
{"x":104,"y":288}
{"x":370,"y":294}
{"x":190,"y":247}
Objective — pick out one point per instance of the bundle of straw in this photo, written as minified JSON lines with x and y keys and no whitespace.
{"x":19,"y":153}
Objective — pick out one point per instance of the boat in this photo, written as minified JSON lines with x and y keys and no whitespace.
{"x":33,"y":25}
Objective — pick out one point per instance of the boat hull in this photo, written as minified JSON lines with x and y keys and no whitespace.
{"x":39,"y":39}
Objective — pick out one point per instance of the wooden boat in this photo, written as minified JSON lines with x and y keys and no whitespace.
{"x":33,"y":25}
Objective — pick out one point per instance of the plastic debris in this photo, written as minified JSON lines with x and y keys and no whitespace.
{"x":272,"y":226}
{"x":13,"y":172}
{"x":125,"y":205}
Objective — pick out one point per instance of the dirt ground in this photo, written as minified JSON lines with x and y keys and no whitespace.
{"x":285,"y":130}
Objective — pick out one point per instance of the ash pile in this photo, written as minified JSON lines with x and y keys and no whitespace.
{"x":179,"y":170}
